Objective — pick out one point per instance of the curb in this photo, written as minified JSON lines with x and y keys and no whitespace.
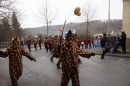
{"x":117,"y":55}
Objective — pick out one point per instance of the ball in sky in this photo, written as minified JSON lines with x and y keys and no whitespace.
{"x":77,"y":11}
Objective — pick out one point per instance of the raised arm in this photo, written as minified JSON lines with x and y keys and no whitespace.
{"x":28,"y":55}
{"x":82,"y":52}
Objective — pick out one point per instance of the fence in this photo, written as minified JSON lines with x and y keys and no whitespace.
{"x":4,"y":44}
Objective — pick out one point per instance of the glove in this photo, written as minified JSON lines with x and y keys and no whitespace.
{"x":92,"y":54}
{"x":1,"y":52}
{"x":34,"y":59}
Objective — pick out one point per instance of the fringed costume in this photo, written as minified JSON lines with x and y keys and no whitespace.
{"x":15,"y":53}
{"x":55,"y":48}
{"x":70,"y":61}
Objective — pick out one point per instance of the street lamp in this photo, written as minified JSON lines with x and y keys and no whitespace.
{"x":76,"y":12}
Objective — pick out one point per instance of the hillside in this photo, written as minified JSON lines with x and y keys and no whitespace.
{"x":94,"y":28}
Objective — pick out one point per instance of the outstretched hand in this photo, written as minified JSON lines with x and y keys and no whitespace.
{"x":34,"y":59}
{"x":92,"y":54}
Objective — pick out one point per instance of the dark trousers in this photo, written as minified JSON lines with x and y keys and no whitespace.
{"x":35,"y":46}
{"x":29,"y":47}
{"x":123,"y":45}
{"x":86,"y":46}
{"x":40,"y":46}
{"x":115,"y":50}
{"x":50,"y":48}
{"x":104,"y":52}
{"x":82,"y":46}
{"x":46,"y":47}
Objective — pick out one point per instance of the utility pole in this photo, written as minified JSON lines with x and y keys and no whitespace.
{"x":50,"y":29}
{"x":109,"y":17}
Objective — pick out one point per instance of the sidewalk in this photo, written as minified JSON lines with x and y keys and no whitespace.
{"x":108,"y":54}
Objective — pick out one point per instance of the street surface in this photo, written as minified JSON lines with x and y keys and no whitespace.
{"x":113,"y":71}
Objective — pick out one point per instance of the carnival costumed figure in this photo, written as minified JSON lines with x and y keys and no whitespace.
{"x":61,"y":41}
{"x":55,"y":46}
{"x":15,"y":53}
{"x":69,"y":60}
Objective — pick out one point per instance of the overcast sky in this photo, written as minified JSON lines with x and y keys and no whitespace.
{"x":65,"y":8}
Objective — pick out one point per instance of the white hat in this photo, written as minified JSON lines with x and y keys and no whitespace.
{"x":74,"y":32}
{"x":36,"y":37}
{"x":112,"y":33}
{"x":122,"y":31}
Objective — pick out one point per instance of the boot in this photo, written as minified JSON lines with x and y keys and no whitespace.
{"x":102,"y":56}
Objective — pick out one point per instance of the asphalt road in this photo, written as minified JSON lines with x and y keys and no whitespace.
{"x":113,"y":71}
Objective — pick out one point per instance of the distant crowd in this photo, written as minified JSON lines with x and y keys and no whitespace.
{"x":114,"y":42}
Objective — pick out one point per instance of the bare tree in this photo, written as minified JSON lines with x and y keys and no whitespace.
{"x":89,"y":13}
{"x":45,"y":15}
{"x":10,"y":23}
{"x":5,"y":7}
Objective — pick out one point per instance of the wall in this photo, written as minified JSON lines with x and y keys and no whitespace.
{"x":126,"y":21}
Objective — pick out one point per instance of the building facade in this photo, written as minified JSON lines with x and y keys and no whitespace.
{"x":126,"y":21}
